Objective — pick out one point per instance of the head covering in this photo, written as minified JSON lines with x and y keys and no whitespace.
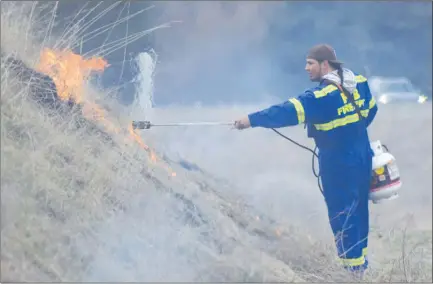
{"x":323,"y":52}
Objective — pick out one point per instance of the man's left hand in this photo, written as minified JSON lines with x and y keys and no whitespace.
{"x":242,"y":123}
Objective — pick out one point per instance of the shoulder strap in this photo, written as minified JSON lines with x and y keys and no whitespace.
{"x":349,"y":96}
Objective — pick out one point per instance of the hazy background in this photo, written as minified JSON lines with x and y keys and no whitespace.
{"x":228,"y":51}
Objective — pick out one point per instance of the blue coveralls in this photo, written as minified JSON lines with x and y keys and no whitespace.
{"x":345,"y":157}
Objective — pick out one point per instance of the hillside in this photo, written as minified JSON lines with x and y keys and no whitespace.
{"x":85,"y":198}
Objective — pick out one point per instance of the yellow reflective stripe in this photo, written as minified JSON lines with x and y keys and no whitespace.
{"x":341,"y":121}
{"x":325,"y":91}
{"x":360,"y":79}
{"x":372,"y":103}
{"x":337,"y":122}
{"x":353,"y":261}
{"x":299,"y":109}
{"x":343,"y":96}
{"x":364,"y":251}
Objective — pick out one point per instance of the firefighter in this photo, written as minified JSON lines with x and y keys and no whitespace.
{"x":339,"y":130}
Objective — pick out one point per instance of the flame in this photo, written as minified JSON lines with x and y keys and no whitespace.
{"x":152,"y":154}
{"x":69,"y":72}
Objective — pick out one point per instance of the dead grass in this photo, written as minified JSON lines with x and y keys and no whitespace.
{"x":78,"y":207}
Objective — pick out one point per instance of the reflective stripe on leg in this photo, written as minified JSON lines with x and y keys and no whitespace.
{"x":353,"y":262}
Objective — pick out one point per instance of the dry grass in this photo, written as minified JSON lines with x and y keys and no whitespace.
{"x":78,"y":207}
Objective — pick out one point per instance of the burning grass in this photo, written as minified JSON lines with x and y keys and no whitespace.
{"x":70,"y":71}
{"x":85,"y":198}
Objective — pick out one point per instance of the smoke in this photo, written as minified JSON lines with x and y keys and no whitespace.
{"x":147,"y":244}
{"x":217,"y":53}
{"x":143,"y":98}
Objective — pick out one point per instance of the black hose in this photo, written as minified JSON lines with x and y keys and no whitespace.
{"x":315,"y":155}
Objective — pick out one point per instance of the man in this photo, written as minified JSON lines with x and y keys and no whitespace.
{"x":339,"y":130}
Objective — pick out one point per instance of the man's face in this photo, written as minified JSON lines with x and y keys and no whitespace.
{"x":314,"y":69}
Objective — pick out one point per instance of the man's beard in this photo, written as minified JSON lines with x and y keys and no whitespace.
{"x":316,"y":79}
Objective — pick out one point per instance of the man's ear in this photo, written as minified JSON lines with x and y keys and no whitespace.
{"x":324,"y":66}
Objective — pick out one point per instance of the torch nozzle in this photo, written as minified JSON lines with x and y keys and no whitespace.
{"x":141,"y":124}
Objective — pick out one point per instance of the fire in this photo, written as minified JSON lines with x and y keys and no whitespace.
{"x":69,"y":72}
{"x":153,"y":156}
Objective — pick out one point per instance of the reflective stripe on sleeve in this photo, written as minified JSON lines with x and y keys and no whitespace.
{"x":299,"y":109}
